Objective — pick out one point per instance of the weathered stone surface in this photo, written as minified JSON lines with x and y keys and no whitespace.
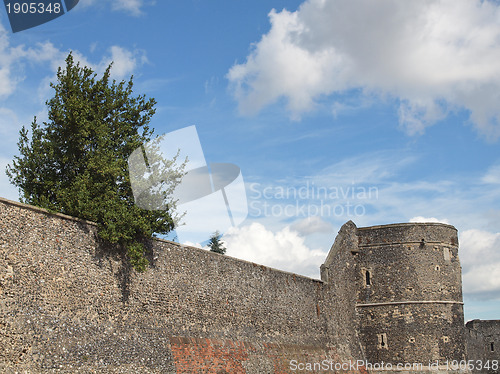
{"x":415,"y":293}
{"x":402,"y":285}
{"x":483,"y":344}
{"x":68,"y":306}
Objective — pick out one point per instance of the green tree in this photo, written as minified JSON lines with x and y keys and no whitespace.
{"x":76,"y":163}
{"x":216,"y":245}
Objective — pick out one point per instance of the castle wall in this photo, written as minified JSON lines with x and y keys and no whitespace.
{"x":409,"y":293}
{"x":387,"y":294}
{"x":68,"y":306}
{"x":403,"y":283}
{"x":339,"y":278}
{"x":483,"y":344}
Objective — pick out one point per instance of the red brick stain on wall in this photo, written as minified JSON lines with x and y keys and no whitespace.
{"x":210,"y":356}
{"x":194,"y":355}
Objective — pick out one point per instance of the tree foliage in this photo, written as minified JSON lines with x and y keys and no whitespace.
{"x":76,"y":163}
{"x":215,"y":243}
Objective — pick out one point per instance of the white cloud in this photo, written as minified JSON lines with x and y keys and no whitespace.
{"x":428,"y":219}
{"x":8,"y":56}
{"x":311,"y":225}
{"x":480,"y":259}
{"x":125,"y":62}
{"x":191,"y":244}
{"x":284,"y":250}
{"x":133,"y":7}
{"x":434,"y":56}
{"x":371,"y":168}
{"x":15,"y":60}
{"x":17,"y":63}
{"x":492,"y":175}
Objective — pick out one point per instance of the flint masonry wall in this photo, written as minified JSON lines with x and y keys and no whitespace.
{"x":405,"y":283}
{"x":67,"y":306}
{"x":410,"y":302}
{"x":483,"y":344}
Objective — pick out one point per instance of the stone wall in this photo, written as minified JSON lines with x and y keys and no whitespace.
{"x":388,"y":294}
{"x":403,"y":283}
{"x":68,"y":306}
{"x":410,"y":302}
{"x":483,"y":344}
{"x":340,"y":283}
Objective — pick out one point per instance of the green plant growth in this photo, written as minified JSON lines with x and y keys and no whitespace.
{"x":76,"y":162}
{"x":215,"y":243}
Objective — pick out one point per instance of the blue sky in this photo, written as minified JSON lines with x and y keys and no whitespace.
{"x":396,"y":98}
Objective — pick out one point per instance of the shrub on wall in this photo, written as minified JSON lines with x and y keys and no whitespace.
{"x":76,"y":163}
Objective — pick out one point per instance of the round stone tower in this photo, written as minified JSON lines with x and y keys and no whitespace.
{"x":409,"y":293}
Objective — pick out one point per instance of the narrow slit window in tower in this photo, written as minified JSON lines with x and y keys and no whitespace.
{"x":492,"y":347}
{"x":368,"y":278}
{"x":382,"y":341}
